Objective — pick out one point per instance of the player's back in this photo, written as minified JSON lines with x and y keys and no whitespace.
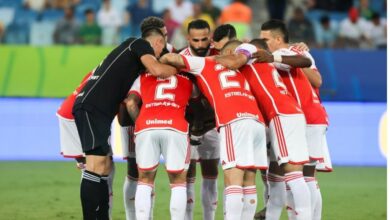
{"x":300,"y":88}
{"x":227,"y":90}
{"x":269,"y":90}
{"x":163,"y":102}
{"x":65,"y":110}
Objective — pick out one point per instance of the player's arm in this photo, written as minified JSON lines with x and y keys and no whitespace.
{"x":156,"y":68}
{"x":174,"y":60}
{"x":132,"y":103}
{"x":124,"y":118}
{"x":313,"y":76}
{"x":298,"y":61}
{"x":232,"y":61}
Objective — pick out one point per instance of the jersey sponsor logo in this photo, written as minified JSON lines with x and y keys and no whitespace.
{"x":94,"y":77}
{"x":80,"y":94}
{"x":157,"y":104}
{"x":238,"y":93}
{"x":246,"y":114}
{"x":218,"y":67}
{"x":159,"y":122}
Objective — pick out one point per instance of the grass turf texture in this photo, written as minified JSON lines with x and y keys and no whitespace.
{"x":50,"y":190}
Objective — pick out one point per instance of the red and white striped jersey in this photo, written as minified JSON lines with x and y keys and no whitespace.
{"x":163,"y":102}
{"x":270,"y":92}
{"x":227,"y":91}
{"x":65,"y":110}
{"x":300,"y":88}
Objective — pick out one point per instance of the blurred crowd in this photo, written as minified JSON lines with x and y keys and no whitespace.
{"x":319,"y":23}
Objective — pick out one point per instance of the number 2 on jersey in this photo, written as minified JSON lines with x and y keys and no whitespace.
{"x":162,"y":86}
{"x":230,"y":83}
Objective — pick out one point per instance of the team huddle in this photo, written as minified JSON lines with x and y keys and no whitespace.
{"x":245,"y":106}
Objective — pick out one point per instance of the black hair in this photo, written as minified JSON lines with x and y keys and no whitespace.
{"x":324,"y":19}
{"x":88,"y":11}
{"x":231,"y":42}
{"x":151,"y":22}
{"x":276,"y":25}
{"x":375,"y":15}
{"x":225,"y":30}
{"x":198,"y":24}
{"x":260,"y":43}
{"x":151,"y":31}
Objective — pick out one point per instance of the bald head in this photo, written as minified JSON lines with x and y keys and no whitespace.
{"x":230,"y":46}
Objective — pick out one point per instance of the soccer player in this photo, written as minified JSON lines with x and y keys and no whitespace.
{"x":70,"y":140}
{"x":127,"y":129}
{"x":207,"y":152}
{"x":160,"y":128}
{"x":297,"y":80}
{"x":241,"y":129}
{"x":287,"y":129}
{"x":97,"y":104}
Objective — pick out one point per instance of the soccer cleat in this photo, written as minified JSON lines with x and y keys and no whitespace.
{"x":261,"y":214}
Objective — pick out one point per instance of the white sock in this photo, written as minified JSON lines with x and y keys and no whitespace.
{"x":300,"y":193}
{"x":290,"y":204}
{"x":277,"y":196}
{"x":318,"y":205}
{"x":143,"y":201}
{"x":190,"y":198}
{"x":250,"y":202}
{"x":209,"y":197}
{"x":129,"y":189}
{"x":153,"y":199}
{"x":266,"y":188}
{"x":178,"y":201}
{"x":233,"y":202}
{"x":312,"y":185}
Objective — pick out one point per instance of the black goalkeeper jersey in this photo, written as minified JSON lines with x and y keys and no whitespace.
{"x":112,"y":79}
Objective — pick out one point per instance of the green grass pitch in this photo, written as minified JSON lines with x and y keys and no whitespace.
{"x":50,"y":190}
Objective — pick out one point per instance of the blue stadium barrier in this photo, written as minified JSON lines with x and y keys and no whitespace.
{"x":29,"y":131}
{"x":352,"y":75}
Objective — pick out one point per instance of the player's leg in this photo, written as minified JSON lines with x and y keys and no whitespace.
{"x":147,"y":158}
{"x":176,"y":152}
{"x":94,"y":131}
{"x":191,"y":177}
{"x":290,"y":147}
{"x":131,"y":179}
{"x":277,"y":191}
{"x":233,"y":176}
{"x":255,"y":139}
{"x":129,"y":188}
{"x":250,"y":194}
{"x":209,"y":160}
{"x":316,"y":141}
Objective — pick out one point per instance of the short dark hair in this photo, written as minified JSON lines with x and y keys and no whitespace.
{"x":230,"y":44}
{"x":150,"y":22}
{"x":324,"y":19}
{"x":89,"y":11}
{"x":276,"y":25}
{"x":198,"y":24}
{"x":260,"y":43}
{"x":225,"y":30}
{"x":152,"y":31}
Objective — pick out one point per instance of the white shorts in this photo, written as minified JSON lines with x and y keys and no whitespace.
{"x":315,"y":141}
{"x":325,"y":165}
{"x":174,"y":147}
{"x":209,"y":147}
{"x":288,"y":139}
{"x":243,"y":145}
{"x":127,"y":138}
{"x":69,"y":138}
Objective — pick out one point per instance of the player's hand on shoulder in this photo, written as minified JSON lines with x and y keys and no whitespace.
{"x":262,"y":56}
